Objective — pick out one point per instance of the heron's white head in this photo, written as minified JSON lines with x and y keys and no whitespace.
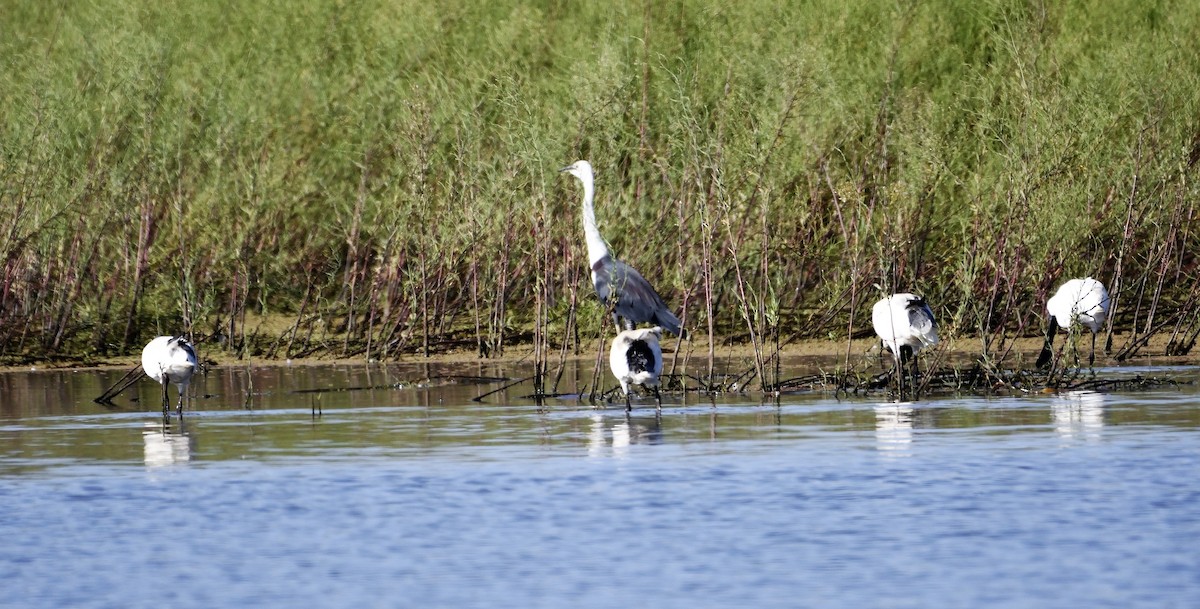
{"x":579,"y":169}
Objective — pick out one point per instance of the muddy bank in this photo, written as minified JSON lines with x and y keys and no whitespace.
{"x":803,"y":354}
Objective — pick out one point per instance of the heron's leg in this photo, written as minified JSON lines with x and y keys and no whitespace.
{"x":628,"y":404}
{"x":657,"y":399}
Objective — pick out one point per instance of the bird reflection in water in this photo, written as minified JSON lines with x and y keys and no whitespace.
{"x":1078,"y":415}
{"x":894,"y":429}
{"x":165,"y":445}
{"x":625,"y":432}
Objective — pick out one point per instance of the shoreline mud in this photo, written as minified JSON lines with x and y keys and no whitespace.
{"x":806,"y":353}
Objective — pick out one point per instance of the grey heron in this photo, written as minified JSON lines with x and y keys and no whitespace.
{"x":633,"y":299}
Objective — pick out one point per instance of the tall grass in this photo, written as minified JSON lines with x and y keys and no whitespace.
{"x":381,"y":173}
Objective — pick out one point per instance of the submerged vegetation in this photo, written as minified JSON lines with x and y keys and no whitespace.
{"x":383,"y":173}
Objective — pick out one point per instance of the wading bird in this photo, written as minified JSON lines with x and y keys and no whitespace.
{"x":632,"y":297}
{"x":170,"y":359}
{"x":1079,"y":301}
{"x":905,"y":325}
{"x":636,"y":359}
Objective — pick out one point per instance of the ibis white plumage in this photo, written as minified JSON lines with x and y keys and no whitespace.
{"x":636,"y":359}
{"x":905,"y":325}
{"x":1078,"y":302}
{"x":633,"y":299}
{"x":170,"y":359}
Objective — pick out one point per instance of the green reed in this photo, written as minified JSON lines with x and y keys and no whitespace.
{"x":382,"y":174}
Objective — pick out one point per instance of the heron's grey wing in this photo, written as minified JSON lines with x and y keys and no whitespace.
{"x":637,"y":300}
{"x":604,"y":278}
{"x":635,"y":295}
{"x":669,"y":322}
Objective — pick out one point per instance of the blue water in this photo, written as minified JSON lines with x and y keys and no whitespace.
{"x":419,"y":497}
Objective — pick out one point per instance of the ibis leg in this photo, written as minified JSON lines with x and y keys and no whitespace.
{"x":916,"y":370}
{"x":1047,"y":353}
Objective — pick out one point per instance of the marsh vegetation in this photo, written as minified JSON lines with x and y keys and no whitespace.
{"x":382,"y":175}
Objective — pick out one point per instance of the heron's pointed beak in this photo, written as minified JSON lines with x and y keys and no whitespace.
{"x":566,"y":169}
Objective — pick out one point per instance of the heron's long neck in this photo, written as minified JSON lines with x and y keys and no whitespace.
{"x":597,"y":248}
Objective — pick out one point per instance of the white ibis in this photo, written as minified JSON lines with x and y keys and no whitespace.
{"x":636,"y":359}
{"x":1078,"y":302}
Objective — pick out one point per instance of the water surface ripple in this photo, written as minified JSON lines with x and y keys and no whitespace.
{"x":409,"y":494}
